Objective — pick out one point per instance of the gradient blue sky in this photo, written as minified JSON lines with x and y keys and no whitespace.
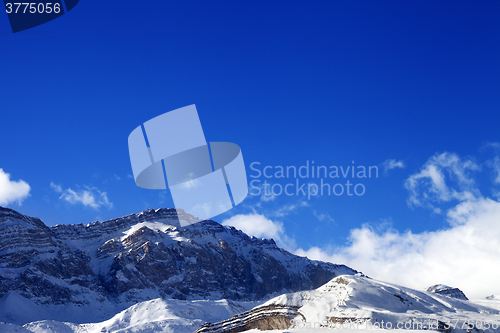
{"x":288,"y":81}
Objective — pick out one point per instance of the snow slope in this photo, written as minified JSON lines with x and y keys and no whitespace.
{"x":157,"y":315}
{"x":361,"y":297}
{"x":358,"y":302}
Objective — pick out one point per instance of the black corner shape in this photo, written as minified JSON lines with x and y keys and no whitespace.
{"x":26,"y":15}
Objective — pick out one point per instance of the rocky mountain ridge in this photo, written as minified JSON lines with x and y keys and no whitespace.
{"x":145,"y":256}
{"x":447,"y":291}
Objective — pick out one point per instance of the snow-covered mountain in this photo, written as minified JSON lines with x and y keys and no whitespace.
{"x":88,"y":273}
{"x":145,"y":273}
{"x":359,"y":302}
{"x":447,"y":291}
{"x":344,"y":303}
{"x":157,"y":315}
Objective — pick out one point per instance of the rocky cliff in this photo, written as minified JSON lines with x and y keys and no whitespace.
{"x":447,"y":291}
{"x":144,"y":256}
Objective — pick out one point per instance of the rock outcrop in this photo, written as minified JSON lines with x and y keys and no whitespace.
{"x":144,"y":256}
{"x":447,"y":291}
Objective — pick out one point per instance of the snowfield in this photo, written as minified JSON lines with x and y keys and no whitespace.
{"x":156,"y":315}
{"x":344,"y":305}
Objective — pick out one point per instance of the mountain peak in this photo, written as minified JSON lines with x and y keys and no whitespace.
{"x":447,"y":291}
{"x":147,"y":255}
{"x":356,"y":302}
{"x":10,"y":217}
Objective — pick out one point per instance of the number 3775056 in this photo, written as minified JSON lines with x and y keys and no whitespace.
{"x":27,"y":7}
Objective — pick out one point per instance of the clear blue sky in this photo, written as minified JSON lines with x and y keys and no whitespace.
{"x":288,"y":81}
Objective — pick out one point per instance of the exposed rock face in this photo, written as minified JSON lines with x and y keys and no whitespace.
{"x":39,"y":266}
{"x":264,"y":318}
{"x":146,"y":255}
{"x":447,"y":291}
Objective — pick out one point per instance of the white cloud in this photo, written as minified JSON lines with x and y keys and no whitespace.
{"x":261,"y":227}
{"x":256,"y":225}
{"x":89,"y":197}
{"x":494,"y":145}
{"x":392,"y":164}
{"x":288,"y":209}
{"x":429,"y":186}
{"x":465,"y":255}
{"x":12,"y":191}
{"x":190,"y":181}
{"x":264,"y":192}
{"x":55,"y":187}
{"x":495,"y":165}
{"x":267,"y":194}
{"x":323,"y":216}
{"x":189,"y":184}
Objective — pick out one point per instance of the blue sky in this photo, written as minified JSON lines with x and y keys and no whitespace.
{"x":289,"y":82}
